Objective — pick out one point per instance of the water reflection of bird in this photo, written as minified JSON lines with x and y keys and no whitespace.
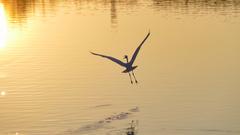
{"x":129,"y":64}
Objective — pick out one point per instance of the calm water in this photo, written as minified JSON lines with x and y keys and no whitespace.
{"x":188,"y":68}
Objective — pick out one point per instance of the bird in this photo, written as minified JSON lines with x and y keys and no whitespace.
{"x":128,"y":64}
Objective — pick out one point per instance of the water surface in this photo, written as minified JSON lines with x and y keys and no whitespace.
{"x":188,"y":68}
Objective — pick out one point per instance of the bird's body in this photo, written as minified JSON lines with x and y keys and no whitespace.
{"x":129,"y":64}
{"x":129,"y":69}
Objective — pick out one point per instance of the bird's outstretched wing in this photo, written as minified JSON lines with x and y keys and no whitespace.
{"x":111,"y":58}
{"x":137,"y":50}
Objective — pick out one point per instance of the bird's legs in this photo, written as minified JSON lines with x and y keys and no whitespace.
{"x":134,"y":77}
{"x":130,"y":78}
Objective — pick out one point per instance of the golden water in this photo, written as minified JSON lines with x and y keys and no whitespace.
{"x":188,"y":69}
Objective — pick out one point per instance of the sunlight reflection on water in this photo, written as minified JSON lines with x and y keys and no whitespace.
{"x":3,"y":27}
{"x":188,"y":69}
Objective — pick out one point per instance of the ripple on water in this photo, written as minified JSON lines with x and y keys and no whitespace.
{"x":99,"y":124}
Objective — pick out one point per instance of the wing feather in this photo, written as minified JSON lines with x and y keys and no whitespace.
{"x":111,"y":58}
{"x":137,"y":50}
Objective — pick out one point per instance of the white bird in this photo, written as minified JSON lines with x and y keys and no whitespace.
{"x":129,"y":64}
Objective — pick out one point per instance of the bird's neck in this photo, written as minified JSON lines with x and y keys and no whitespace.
{"x":127,"y":59}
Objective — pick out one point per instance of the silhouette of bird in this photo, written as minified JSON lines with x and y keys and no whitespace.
{"x":129,"y":64}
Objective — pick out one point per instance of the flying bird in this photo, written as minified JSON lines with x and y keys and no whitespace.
{"x":128,"y":64}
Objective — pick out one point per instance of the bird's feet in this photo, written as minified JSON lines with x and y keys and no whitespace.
{"x":131,"y":82}
{"x":136,"y":81}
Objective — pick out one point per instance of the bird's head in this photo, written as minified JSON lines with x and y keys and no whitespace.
{"x":125,"y":57}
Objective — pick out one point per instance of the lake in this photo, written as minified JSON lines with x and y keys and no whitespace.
{"x":188,"y":68}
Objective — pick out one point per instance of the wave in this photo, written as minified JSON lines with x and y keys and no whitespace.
{"x":103,"y":105}
{"x":100,"y":124}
